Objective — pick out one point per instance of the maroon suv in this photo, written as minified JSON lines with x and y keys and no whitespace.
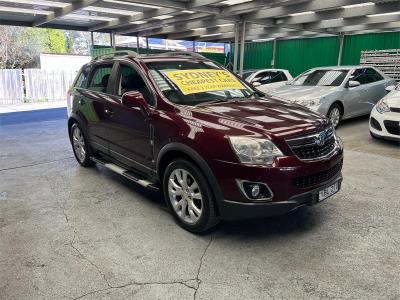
{"x":216,"y":147}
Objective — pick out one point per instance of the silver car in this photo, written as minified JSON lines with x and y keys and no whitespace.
{"x":337,"y":92}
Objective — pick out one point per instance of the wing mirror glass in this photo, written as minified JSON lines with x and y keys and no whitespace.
{"x":256,"y":84}
{"x":135,"y":100}
{"x":390,"y":88}
{"x":353,"y":83}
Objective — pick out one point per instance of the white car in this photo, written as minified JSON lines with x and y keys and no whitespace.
{"x":384,"y":121}
{"x":267,"y":79}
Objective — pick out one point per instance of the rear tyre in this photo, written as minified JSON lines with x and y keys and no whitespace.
{"x":335,"y":115}
{"x":80,"y":146}
{"x":189,"y":196}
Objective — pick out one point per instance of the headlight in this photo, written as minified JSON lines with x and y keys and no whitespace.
{"x":382,"y":106}
{"x":254,"y":150}
{"x":309,"y":102}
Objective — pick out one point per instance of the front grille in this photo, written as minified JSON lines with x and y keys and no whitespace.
{"x":395,"y":109}
{"x":317,"y":178}
{"x":314,"y":146}
{"x":393,"y":127}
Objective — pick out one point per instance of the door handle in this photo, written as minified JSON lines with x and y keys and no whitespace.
{"x":81,"y":102}
{"x":109,"y":112}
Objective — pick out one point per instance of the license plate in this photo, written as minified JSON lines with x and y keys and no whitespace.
{"x":328,"y":191}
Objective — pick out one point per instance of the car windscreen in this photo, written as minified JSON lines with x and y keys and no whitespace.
{"x":321,"y":78}
{"x":196,"y":82}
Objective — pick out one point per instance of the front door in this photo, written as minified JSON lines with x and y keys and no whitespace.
{"x":359,"y":98}
{"x":129,"y":129}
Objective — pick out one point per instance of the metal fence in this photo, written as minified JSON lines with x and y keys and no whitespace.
{"x":34,"y":85}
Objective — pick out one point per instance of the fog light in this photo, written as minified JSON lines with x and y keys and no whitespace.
{"x":255,"y":190}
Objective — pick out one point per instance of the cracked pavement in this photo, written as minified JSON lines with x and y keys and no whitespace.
{"x":67,"y":232}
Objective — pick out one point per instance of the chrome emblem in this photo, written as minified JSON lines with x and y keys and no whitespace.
{"x":322,"y":137}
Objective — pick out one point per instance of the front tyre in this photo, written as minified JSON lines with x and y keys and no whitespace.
{"x":189,"y":196}
{"x":80,"y":146}
{"x":335,"y":115}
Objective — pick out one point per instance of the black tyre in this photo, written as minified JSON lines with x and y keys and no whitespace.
{"x":80,"y":146}
{"x":335,"y":114}
{"x":189,"y":196}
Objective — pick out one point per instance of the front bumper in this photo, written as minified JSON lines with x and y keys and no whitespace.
{"x":231,"y":210}
{"x":382,"y":120}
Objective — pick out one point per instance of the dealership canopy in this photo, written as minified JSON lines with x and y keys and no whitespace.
{"x":207,"y":20}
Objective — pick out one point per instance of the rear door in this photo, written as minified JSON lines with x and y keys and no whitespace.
{"x":129,"y":129}
{"x":92,"y":105}
{"x":377,"y":87}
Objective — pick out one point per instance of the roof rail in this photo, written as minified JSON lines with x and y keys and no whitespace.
{"x":127,"y":53}
{"x":183,"y":53}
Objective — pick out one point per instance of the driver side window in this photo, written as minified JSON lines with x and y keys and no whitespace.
{"x":130,"y":80}
{"x":360,"y":76}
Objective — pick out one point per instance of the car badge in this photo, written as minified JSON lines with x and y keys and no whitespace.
{"x":320,"y":139}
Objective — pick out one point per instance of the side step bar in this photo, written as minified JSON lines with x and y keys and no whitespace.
{"x":127,"y":174}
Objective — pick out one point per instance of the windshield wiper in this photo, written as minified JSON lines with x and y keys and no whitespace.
{"x":212,"y":102}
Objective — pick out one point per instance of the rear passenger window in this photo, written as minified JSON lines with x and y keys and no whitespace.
{"x":81,"y":80}
{"x":100,"y":77}
{"x":278,"y":77}
{"x":373,"y":75}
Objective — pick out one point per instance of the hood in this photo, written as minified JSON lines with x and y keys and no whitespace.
{"x":262,"y":116}
{"x":393,"y":99}
{"x":299,"y":92}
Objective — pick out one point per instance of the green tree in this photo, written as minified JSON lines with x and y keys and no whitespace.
{"x":55,"y":41}
{"x":20,"y":46}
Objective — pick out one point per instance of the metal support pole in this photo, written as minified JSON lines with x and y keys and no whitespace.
{"x":273,"y":54}
{"x":113,"y":40}
{"x":242,"y":40}
{"x":147,"y":45}
{"x":137,"y":44}
{"x":194,"y":46}
{"x":92,"y":39}
{"x":341,"y":39}
{"x":236,"y":50}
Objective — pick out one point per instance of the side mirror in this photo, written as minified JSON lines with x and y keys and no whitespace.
{"x":256,"y":83}
{"x":353,"y":83}
{"x":135,"y":100}
{"x":390,"y":88}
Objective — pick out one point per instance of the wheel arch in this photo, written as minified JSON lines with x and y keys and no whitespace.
{"x":340,"y":104}
{"x":74,"y":118}
{"x":176,"y":150}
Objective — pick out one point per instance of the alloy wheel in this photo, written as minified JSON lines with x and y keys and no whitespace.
{"x":334,"y":116}
{"x":185,"y":196}
{"x":78,"y":142}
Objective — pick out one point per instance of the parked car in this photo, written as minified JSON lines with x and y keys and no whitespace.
{"x":384,"y":121}
{"x":267,"y":79}
{"x":216,"y":147}
{"x":337,"y":92}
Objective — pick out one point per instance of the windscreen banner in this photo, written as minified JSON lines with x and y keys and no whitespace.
{"x":203,"y":80}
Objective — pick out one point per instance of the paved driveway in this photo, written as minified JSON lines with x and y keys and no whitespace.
{"x":70,"y":232}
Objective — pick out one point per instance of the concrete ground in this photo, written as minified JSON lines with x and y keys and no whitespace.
{"x":8,"y":108}
{"x":76,"y":233}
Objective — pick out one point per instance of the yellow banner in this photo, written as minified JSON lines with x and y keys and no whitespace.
{"x":203,"y":80}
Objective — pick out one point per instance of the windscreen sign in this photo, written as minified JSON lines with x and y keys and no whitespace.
{"x":203,"y":80}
